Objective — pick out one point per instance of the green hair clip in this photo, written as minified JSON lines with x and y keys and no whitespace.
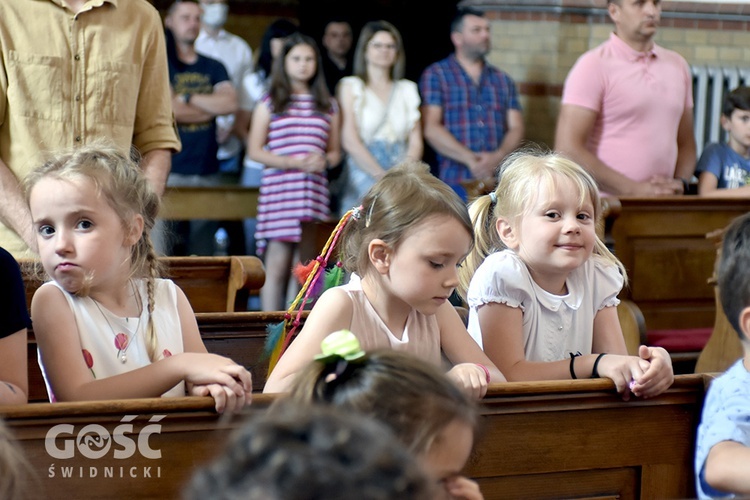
{"x":341,"y":344}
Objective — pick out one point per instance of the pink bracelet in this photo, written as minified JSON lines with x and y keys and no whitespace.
{"x":486,"y":371}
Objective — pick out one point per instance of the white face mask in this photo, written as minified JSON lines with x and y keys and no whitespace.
{"x":215,"y":14}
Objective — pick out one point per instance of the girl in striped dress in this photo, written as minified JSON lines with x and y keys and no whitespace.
{"x":295,"y":134}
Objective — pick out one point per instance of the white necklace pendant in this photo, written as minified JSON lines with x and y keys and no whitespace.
{"x":123,"y":358}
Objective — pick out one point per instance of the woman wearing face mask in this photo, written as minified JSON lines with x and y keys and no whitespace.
{"x":235,"y":54}
{"x":214,"y":15}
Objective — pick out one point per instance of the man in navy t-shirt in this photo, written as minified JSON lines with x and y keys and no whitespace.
{"x":201,"y":91}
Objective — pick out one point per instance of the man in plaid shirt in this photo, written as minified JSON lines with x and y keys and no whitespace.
{"x":470,"y":109}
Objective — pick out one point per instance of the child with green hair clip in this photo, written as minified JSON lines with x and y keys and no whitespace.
{"x":424,"y":408}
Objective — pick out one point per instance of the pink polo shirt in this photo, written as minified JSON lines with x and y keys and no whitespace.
{"x":640,"y":98}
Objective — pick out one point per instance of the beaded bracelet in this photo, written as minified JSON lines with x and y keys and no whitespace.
{"x":486,"y":371}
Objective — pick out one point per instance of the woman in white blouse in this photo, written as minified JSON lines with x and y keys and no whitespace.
{"x":380,"y":112}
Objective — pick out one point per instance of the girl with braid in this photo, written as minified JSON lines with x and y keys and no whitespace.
{"x":107,"y":327}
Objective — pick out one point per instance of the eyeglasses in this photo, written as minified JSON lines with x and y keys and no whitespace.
{"x":383,"y":46}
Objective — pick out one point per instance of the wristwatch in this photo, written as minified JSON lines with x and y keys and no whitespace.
{"x":185,"y":98}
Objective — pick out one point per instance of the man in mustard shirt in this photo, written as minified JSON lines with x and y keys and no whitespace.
{"x":72,"y":72}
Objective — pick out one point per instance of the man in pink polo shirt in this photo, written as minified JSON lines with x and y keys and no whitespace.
{"x":627,"y":108}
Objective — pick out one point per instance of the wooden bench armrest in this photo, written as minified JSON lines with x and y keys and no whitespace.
{"x":723,"y":347}
{"x":210,"y":283}
{"x":633,"y":325}
{"x":246,"y":272}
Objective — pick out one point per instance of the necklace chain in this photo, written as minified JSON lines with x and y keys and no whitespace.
{"x":122,"y":353}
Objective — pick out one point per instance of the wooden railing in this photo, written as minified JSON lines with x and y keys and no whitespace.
{"x":217,"y":203}
{"x":574,"y":439}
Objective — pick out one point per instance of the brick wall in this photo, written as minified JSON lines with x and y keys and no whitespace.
{"x":538,"y":42}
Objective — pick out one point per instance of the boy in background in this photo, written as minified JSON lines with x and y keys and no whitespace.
{"x":723,"y":168}
{"x":722,"y":455}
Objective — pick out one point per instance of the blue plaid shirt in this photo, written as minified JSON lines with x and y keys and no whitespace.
{"x":474,"y":114}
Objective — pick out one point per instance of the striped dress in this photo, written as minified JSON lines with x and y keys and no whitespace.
{"x":288,"y":197}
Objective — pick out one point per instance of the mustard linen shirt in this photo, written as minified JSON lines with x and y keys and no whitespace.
{"x":68,"y":79}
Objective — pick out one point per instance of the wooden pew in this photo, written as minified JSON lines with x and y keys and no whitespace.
{"x":574,"y":439}
{"x":662,"y":243}
{"x":216,"y":203}
{"x":723,"y":347}
{"x":577,"y":439}
{"x":241,"y":336}
{"x":188,"y":432}
{"x":212,"y":284}
{"x":632,"y":324}
{"x":314,"y":236}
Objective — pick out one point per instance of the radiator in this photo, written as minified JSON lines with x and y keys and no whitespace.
{"x":710,"y":85}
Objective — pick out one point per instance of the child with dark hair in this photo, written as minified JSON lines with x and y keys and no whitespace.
{"x":426,"y":410}
{"x":724,"y":167}
{"x":294,"y":452}
{"x":722,"y":455}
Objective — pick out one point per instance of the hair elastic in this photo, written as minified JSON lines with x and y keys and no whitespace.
{"x":486,"y":371}
{"x":493,"y":197}
{"x":339,"y":367}
{"x":573,"y":356}
{"x":356,"y":212}
{"x":595,"y":371}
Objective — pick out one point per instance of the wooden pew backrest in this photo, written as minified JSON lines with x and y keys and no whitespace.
{"x":550,"y":442}
{"x":662,"y":243}
{"x":633,"y":325}
{"x":217,"y":284}
{"x":212,"y":284}
{"x":723,"y":347}
{"x":229,"y":202}
{"x":117,"y":449}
